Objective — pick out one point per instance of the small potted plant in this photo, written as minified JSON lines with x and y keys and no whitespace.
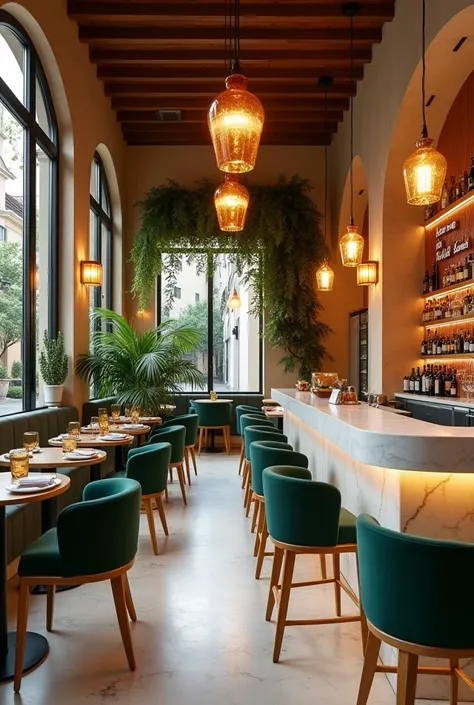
{"x":4,"y":381}
{"x":54,"y":367}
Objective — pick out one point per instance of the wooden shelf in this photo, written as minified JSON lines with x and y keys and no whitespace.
{"x":447,"y":356}
{"x":459,"y":203}
{"x":444,"y":322}
{"x":466,"y":284}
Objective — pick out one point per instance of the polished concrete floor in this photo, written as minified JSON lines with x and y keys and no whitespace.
{"x":201,"y":637}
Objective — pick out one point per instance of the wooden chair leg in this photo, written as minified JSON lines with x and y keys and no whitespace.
{"x":322,"y":562}
{"x":274,"y":580}
{"x":454,"y":684}
{"x":201,"y":434}
{"x":161,"y":512}
{"x":364,"y":630}
{"x":256,"y":507}
{"x":171,"y":474}
{"x":242,"y":457}
{"x":186,"y":460}
{"x":180,"y":470}
{"x":129,"y":599}
{"x":406,"y":678}
{"x":118,"y":590}
{"x":262,"y":544}
{"x":337,"y":576}
{"x":288,"y":567}
{"x":227,"y":438}
{"x":258,"y":512}
{"x":245,"y":472}
{"x":249,"y":496}
{"x":368,"y":670}
{"x":166,"y":495}
{"x":193,"y":458}
{"x":22,"y":620}
{"x":151,"y":524}
{"x":50,"y":595}
{"x":206,"y":438}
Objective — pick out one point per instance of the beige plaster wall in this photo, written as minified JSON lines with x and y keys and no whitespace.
{"x":86,"y":122}
{"x":149,"y":166}
{"x":387,"y":122}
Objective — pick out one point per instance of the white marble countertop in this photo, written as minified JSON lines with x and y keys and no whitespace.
{"x":447,"y":401}
{"x":377,"y":437}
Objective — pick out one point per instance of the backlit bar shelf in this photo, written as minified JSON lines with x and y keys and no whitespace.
{"x":444,"y":322}
{"x":446,"y":356}
{"x":452,"y":208}
{"x":440,"y":293}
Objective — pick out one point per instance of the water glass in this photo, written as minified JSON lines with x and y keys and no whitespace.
{"x":30,"y":440}
{"x":19,"y":464}
{"x":115,"y":412}
{"x":103,"y":421}
{"x":74,"y":428}
{"x":69,"y":443}
{"x":135,"y":414}
{"x":213,"y":396}
{"x":128,"y":412}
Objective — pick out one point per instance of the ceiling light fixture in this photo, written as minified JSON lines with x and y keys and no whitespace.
{"x":424,"y":171}
{"x":236,"y":116}
{"x":351,"y":244}
{"x":231,"y":200}
{"x":325,"y":274}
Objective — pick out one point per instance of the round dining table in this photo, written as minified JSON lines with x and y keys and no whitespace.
{"x":139,"y":431}
{"x":213,"y":448}
{"x":85,"y":440}
{"x":37,"y":646}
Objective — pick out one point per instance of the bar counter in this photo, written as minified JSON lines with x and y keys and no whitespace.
{"x":412,"y":476}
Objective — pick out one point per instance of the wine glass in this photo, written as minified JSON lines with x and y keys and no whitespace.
{"x":74,"y":428}
{"x":30,"y":440}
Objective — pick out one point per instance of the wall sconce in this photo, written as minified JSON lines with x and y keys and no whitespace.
{"x":234,"y":302}
{"x":91,"y":273}
{"x":367,"y":273}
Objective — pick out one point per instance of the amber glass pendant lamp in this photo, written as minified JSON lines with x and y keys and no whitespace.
{"x":325,"y":274}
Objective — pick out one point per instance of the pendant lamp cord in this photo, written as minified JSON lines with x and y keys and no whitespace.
{"x":424,"y":129}
{"x":227,"y":32}
{"x":325,"y":166}
{"x":236,"y":37}
{"x":351,"y":221}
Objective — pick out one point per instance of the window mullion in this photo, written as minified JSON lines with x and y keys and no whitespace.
{"x":210,"y":322}
{"x":29,"y":274}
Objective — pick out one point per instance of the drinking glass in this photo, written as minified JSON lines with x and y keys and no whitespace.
{"x":19,"y":464}
{"x":128,"y":412}
{"x":213,"y":396}
{"x":115,"y":412}
{"x":30,"y":440}
{"x":135,"y":414}
{"x":69,"y":443}
{"x":103,"y":421}
{"x":74,"y":428}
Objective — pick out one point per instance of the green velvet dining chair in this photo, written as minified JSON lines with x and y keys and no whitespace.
{"x":415,"y":592}
{"x":245,"y":420}
{"x":149,"y":466}
{"x":305,"y":517}
{"x":256,"y":432}
{"x":214,"y":417}
{"x":94,"y":540}
{"x":241,"y":410}
{"x":176,"y":436}
{"x":191,"y":424}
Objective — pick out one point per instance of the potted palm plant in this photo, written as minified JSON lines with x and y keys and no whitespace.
{"x":143,"y":369}
{"x":54,"y":367}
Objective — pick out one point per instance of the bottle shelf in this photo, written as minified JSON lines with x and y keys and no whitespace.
{"x":439,"y":293}
{"x":447,"y":356}
{"x":452,"y":208}
{"x":443,"y":322}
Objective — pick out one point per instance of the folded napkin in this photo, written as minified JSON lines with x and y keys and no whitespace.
{"x":113,"y":437}
{"x":134,"y":425}
{"x":61,"y":437}
{"x":38,"y":480}
{"x":80,"y":454}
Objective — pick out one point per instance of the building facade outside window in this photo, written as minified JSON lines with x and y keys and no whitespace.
{"x":28,"y":217}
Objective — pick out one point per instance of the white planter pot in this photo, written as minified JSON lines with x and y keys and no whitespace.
{"x":53,"y":394}
{"x":4,"y":384}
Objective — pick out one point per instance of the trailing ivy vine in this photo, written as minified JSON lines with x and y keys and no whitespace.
{"x":277,"y":254}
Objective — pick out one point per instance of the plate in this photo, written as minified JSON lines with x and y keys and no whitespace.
{"x":28,"y":490}
{"x":81,"y":456}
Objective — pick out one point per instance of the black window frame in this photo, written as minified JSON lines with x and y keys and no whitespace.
{"x":103,"y":215}
{"x":210,"y":336}
{"x":34,"y":136}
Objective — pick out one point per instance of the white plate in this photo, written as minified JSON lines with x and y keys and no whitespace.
{"x":134,"y":425}
{"x":28,"y":490}
{"x":80,"y":456}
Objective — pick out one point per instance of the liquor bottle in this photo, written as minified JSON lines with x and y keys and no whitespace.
{"x":439,"y":382}
{"x":434,"y":278}
{"x":453,"y":390}
{"x":444,"y":196}
{"x":439,"y":346}
{"x":471,"y":344}
{"x":466,"y":270}
{"x":459,"y":188}
{"x":470,"y":178}
{"x":447,"y":383}
{"x":465,"y":343}
{"x":434,"y":347}
{"x":406,"y":383}
{"x":444,"y":346}
{"x":452,"y":190}
{"x":426,"y":283}
{"x":423,"y":347}
{"x":430,"y":381}
{"x":417,"y":381}
{"x":423,"y":381}
{"x":465,"y":183}
{"x":459,"y":344}
{"x":412,"y":380}
{"x":443,"y":382}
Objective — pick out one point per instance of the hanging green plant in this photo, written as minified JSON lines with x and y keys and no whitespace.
{"x":277,"y":253}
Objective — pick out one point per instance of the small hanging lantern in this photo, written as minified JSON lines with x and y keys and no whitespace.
{"x":234,"y":302}
{"x":231,"y":200}
{"x":352,"y":247}
{"x":325,"y":277}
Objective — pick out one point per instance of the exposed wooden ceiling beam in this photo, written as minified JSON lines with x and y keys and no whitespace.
{"x":183,"y":127}
{"x":307,"y":89}
{"x":293,"y":139}
{"x":99,"y":33}
{"x":92,"y":9}
{"x":190,"y":116}
{"x":128,"y":54}
{"x":198,"y":73}
{"x":177,"y":102}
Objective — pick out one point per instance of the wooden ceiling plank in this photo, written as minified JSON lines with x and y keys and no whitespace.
{"x":308,"y":90}
{"x":189,"y":73}
{"x":190,"y":116}
{"x":203,"y":103}
{"x":134,"y":55}
{"x":183,"y":127}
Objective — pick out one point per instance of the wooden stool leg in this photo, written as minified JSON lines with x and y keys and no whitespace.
{"x":50,"y":594}
{"x":245,"y":473}
{"x":259,"y":509}
{"x":274,"y":579}
{"x":406,"y":679}
{"x":248,"y":495}
{"x":118,"y":590}
{"x":256,"y":506}
{"x":180,"y":469}
{"x":288,"y":568}
{"x":368,"y":671}
{"x":337,"y":576}
{"x":161,"y":512}
{"x":186,"y":460}
{"x":151,"y":524}
{"x":242,"y":457}
{"x":129,"y":599}
{"x":201,"y":433}
{"x":193,"y":458}
{"x":22,"y":620}
{"x":454,"y":684}
{"x":171,"y":474}
{"x":227,"y":438}
{"x":262,"y":543}
{"x":166,"y":495}
{"x":322,"y":562}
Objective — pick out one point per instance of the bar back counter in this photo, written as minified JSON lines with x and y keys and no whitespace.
{"x":411,"y":475}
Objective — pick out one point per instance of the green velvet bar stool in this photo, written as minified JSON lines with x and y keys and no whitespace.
{"x":213,"y":417}
{"x":176,"y":436}
{"x":240,"y":410}
{"x":265,"y":454}
{"x":190,"y":423}
{"x":251,"y":434}
{"x":250,"y":420}
{"x":95,"y":540}
{"x":149,"y":465}
{"x":305,"y":517}
{"x":415,"y":593}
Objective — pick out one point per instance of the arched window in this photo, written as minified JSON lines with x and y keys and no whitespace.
{"x":28,"y":216}
{"x":101,"y":232}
